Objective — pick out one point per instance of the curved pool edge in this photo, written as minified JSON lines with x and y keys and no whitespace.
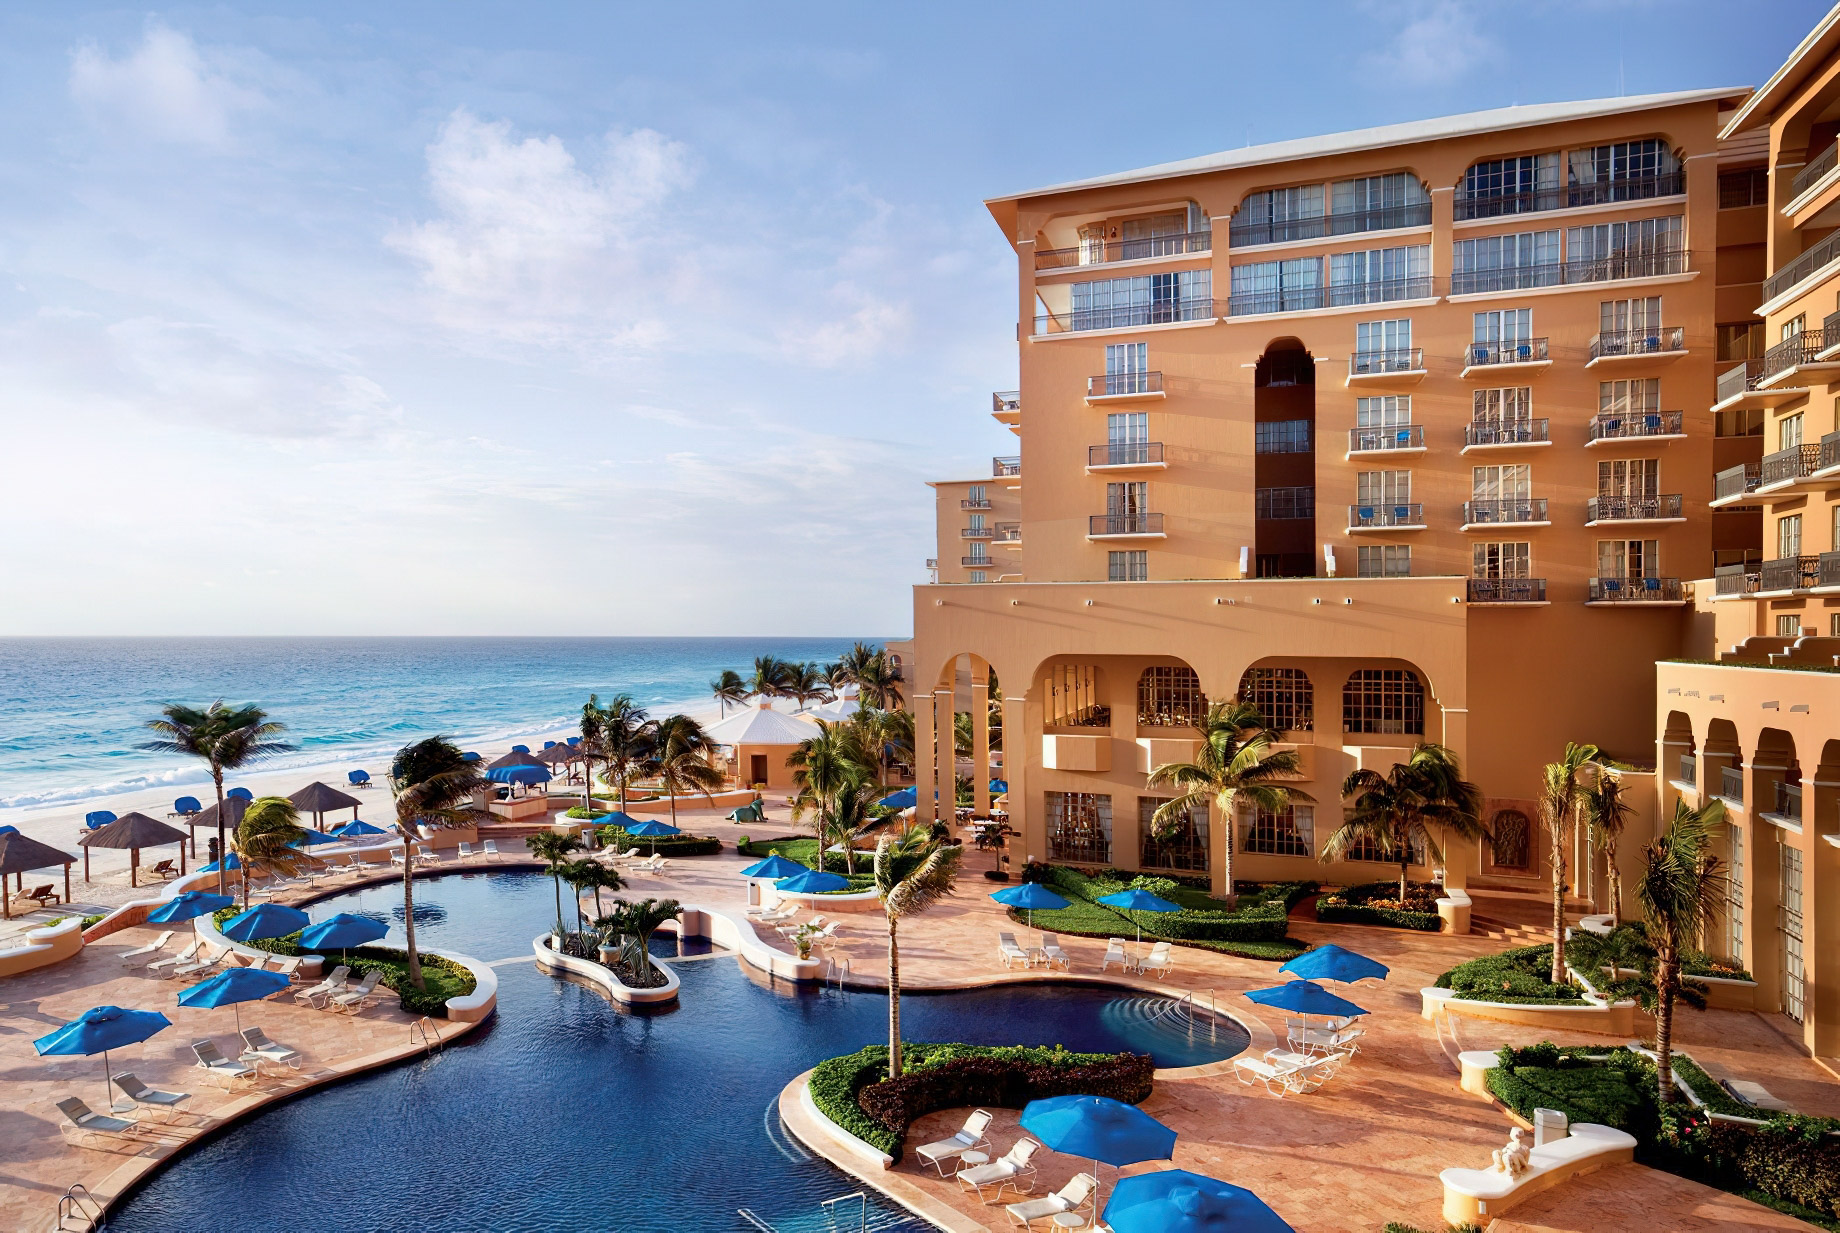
{"x":552,"y":960}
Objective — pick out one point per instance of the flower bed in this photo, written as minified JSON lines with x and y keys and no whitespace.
{"x":1377,"y":903}
{"x":1519,"y":976}
{"x":442,"y":978}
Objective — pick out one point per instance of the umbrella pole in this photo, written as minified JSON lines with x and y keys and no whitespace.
{"x":86,"y":864}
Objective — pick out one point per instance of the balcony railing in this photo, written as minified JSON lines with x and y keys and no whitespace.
{"x":1104,"y":252}
{"x":1006,"y":533}
{"x":1506,"y":278}
{"x":1627,"y":265}
{"x":1506,"y":432}
{"x":1006,"y":402}
{"x":1635,"y":590}
{"x":1125,"y":524}
{"x":974,"y":503}
{"x":1124,"y":316}
{"x":1796,"y":462}
{"x":1731,"y":784}
{"x":1739,"y":380}
{"x":1735,"y":580}
{"x":1125,"y":454}
{"x":1788,"y":802}
{"x":1374,"y":363}
{"x":1641,"y":341}
{"x":1736,"y":481}
{"x":1507,"y":590}
{"x":976,"y":533}
{"x":1633,"y":188}
{"x":1412,"y":515}
{"x":1505,"y":509}
{"x":1278,"y":231}
{"x":1001,"y":467}
{"x":1513,"y":351}
{"x":1625,"y":425}
{"x":1827,"y":571}
{"x":1830,"y":450}
{"x":1789,"y":574}
{"x":1816,"y":257}
{"x":1817,"y":167}
{"x":1379,"y":291}
{"x":1798,"y":349}
{"x":1124,"y":384}
{"x":975,"y":562}
{"x":1633,"y":509}
{"x":1397,"y":437}
{"x":1689,"y":769}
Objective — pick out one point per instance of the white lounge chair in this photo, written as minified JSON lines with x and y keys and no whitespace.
{"x":1115,"y":953}
{"x":466,"y":850}
{"x":1278,"y":1078}
{"x":397,"y":857}
{"x":165,"y":966}
{"x":211,"y":1059}
{"x":969,"y":1136}
{"x":141,"y":1094}
{"x":1323,"y":1040}
{"x":491,"y":849}
{"x":1067,"y":1199}
{"x":1157,"y":961}
{"x":259,"y":1048}
{"x":81,"y":1118}
{"x":359,"y":997}
{"x":1051,"y":947}
{"x":1008,"y":1171}
{"x":129,"y":957}
{"x":789,"y":928}
{"x":315,"y":995}
{"x":427,"y":855}
{"x":285,"y":965}
{"x":1010,"y":952}
{"x":776,"y":915}
{"x":206,"y":960}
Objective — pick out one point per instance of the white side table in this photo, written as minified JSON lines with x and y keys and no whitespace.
{"x":973,"y":1159}
{"x":1069,"y":1220}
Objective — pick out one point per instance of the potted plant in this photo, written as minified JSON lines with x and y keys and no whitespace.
{"x":802,"y":940}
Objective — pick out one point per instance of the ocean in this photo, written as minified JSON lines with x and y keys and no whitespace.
{"x":73,"y":710}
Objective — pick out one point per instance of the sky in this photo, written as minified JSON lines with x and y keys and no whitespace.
{"x":593,"y":318}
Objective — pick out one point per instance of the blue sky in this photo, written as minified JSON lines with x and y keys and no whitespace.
{"x":595,"y":318}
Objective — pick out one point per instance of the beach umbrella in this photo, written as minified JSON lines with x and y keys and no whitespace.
{"x":774,"y":867}
{"x":514,"y":758}
{"x":650,"y":829}
{"x":812,"y":882}
{"x":624,"y":821}
{"x":1103,"y":1130}
{"x":318,"y":799}
{"x":9,"y":830}
{"x":18,"y":853}
{"x":240,"y":794}
{"x":97,"y":819}
{"x":1137,"y":899}
{"x":525,"y":775}
{"x":1029,"y":896}
{"x":233,"y":987}
{"x":342,"y":932}
{"x":133,"y":831}
{"x":574,"y":740}
{"x":554,"y":754}
{"x":187,"y":904}
{"x":1331,"y":962}
{"x":906,"y":798}
{"x":523,"y":749}
{"x":357,"y":830}
{"x":229,"y":862}
{"x":549,"y":744}
{"x":1305,"y":998}
{"x":99,"y":1029}
{"x":265,"y":920}
{"x":313,"y":839}
{"x":1177,"y":1201}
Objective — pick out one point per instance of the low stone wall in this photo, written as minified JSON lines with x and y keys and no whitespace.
{"x":44,"y":947}
{"x":738,"y":935}
{"x":833,"y":903}
{"x":549,"y":958}
{"x":1623,"y":1019}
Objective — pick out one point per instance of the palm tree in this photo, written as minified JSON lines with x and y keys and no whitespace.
{"x":823,"y":766}
{"x":1398,"y":810}
{"x":1564,"y":786}
{"x":851,"y":819}
{"x":1236,"y":760}
{"x":624,"y":744}
{"x":636,"y":922}
{"x":769,"y":679}
{"x":878,"y":683}
{"x":729,"y":689}
{"x":226,"y":739}
{"x":680,"y":756}
{"x":1609,"y":812}
{"x":593,"y":721}
{"x":805,"y":682}
{"x":1680,"y":888}
{"x":554,"y":851}
{"x":929,"y":882}
{"x":596,"y":876}
{"x":433,"y":783}
{"x":264,"y":839}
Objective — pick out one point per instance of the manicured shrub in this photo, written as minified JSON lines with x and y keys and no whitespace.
{"x":1793,"y":1159}
{"x":1377,"y":903}
{"x":1255,"y":930}
{"x":665,"y":845}
{"x":1518,"y":976}
{"x":442,"y":978}
{"x":1616,"y":1089}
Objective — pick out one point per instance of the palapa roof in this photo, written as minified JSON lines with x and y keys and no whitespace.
{"x":133,"y":830}
{"x":514,"y":759}
{"x":317,"y":797}
{"x":557,"y":753}
{"x":19,"y":854}
{"x":759,"y":725}
{"x":234,"y":808}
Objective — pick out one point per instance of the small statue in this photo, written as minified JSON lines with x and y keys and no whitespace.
{"x":1512,"y":1159}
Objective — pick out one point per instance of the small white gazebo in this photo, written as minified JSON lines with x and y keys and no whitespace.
{"x":760,"y":738}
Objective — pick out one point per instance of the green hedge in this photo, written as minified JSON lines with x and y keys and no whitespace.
{"x":442,"y":978}
{"x":1518,"y":976}
{"x":1255,"y":931}
{"x":665,"y":845}
{"x":1352,"y":907}
{"x":1610,"y":1087}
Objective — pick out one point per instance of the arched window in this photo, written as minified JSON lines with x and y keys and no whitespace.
{"x":1170,"y":697}
{"x":1283,"y":696}
{"x":1073,"y":698}
{"x":1511,"y":840}
{"x":1389,"y":701}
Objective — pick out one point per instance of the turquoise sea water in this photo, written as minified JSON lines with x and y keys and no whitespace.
{"x":72,"y":710}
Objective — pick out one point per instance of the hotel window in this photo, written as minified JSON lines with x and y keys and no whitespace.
{"x":1510,"y":186}
{"x":1160,"y":235}
{"x":1383,"y":560}
{"x":1283,"y":503}
{"x":1789,"y":433}
{"x":1386,"y":411}
{"x":1508,"y":326}
{"x":1369,"y":848}
{"x":1622,"y":171}
{"x":1640,"y":397}
{"x":1080,"y":827}
{"x":1127,"y":366}
{"x":1742,"y":341}
{"x":1114,"y":303}
{"x":978,"y":494}
{"x":1739,"y":189}
{"x":1380,"y":274}
{"x":1073,"y":698}
{"x":1511,"y":840}
{"x":1184,"y":848}
{"x":1635,"y":249}
{"x":1127,"y":566}
{"x":1501,"y":560}
{"x":1275,"y":215}
{"x":1126,"y":503}
{"x":1628,"y":558}
{"x":977,"y":523}
{"x":1505,"y":262}
{"x":1283,"y":698}
{"x":1629,"y":477}
{"x":1789,"y":626}
{"x":1290,"y":831}
{"x":1378,"y":203}
{"x":1504,"y":482}
{"x":1629,"y":316}
{"x":978,"y":575}
{"x":1383,"y":488}
{"x":1789,"y":537}
{"x":1734,"y":894}
{"x":1833,"y":625}
{"x":1835,"y":537}
{"x":1387,"y":701}
{"x":1170,"y":697}
{"x":1792,"y":328}
{"x":1127,"y":438}
{"x":1281,"y":437}
{"x":1509,"y":405}
{"x":1277,"y":286}
{"x":1383,"y":337}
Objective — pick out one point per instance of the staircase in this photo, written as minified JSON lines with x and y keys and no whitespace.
{"x":1507,"y":933}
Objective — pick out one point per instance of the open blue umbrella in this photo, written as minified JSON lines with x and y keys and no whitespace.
{"x":1100,"y":1129}
{"x":313,"y":838}
{"x":1137,"y":899}
{"x":1177,"y":1201}
{"x":99,"y":1029}
{"x":98,"y":818}
{"x":265,"y":920}
{"x":1334,"y":963}
{"x":999,"y":786}
{"x":812,"y":881}
{"x":774,"y":867}
{"x":624,"y":821}
{"x":241,"y":794}
{"x":357,"y":830}
{"x":229,"y":862}
{"x":186,"y":905}
{"x":1305,"y":998}
{"x":650,"y":829}
{"x":520,"y":749}
{"x":469,"y":756}
{"x":232,"y":987}
{"x":342,"y":932}
{"x":526,"y":775}
{"x":1029,"y":896}
{"x":906,"y":798}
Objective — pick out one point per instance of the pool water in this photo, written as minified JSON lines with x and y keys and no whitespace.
{"x":564,"y":1113}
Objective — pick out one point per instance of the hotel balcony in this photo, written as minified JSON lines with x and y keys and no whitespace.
{"x":1733,"y":581}
{"x":1731,"y":785}
{"x":975,"y":562}
{"x":977,"y":533}
{"x":1815,"y":171}
{"x":1006,"y":407}
{"x":1505,"y":434}
{"x":1790,"y":470}
{"x":1556,"y":274}
{"x":1567,"y":197}
{"x":1830,"y":455}
{"x":1401,"y":366}
{"x":1809,"y":263}
{"x":1125,"y":526}
{"x":1126,"y":456}
{"x":1386,"y":518}
{"x":1508,"y":592}
{"x":1320,"y":226}
{"x":1634,"y":428}
{"x":1604,"y":510}
{"x":1787,"y":575}
{"x":1338,"y":295}
{"x":1827,"y":572}
{"x":1687,"y":771}
{"x":1397,"y":440}
{"x":1785,"y":804}
{"x":1127,"y":316}
{"x":1734,"y":485}
{"x":1007,"y":468}
{"x":1795,"y":362}
{"x":1110,"y":252}
{"x":1008,"y":534}
{"x":1656,"y":342}
{"x":1608,"y":591}
{"x":1504,"y":512}
{"x":974,"y":503}
{"x":1122,"y":386}
{"x":1492,"y":359}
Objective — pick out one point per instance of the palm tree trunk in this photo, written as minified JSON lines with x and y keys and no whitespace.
{"x":1664,"y":1030}
{"x":415,"y":959}
{"x":217,"y":777}
{"x":1616,"y":884}
{"x":557,"y":879}
{"x":1557,"y":975}
{"x":894,"y":1002}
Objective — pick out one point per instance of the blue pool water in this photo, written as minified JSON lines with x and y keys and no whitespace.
{"x":566,"y":1114}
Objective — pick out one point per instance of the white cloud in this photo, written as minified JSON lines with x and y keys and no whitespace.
{"x":1439,"y":46}
{"x":165,"y":88}
{"x":854,"y":338}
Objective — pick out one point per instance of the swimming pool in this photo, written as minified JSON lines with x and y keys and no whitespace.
{"x":564,"y":1113}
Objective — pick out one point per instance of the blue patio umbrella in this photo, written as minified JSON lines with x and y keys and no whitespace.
{"x":469,"y":756}
{"x":624,"y":821}
{"x":1137,"y":899}
{"x":1334,"y":963}
{"x":342,"y":932}
{"x":313,"y":838}
{"x":265,"y":920}
{"x":574,"y":740}
{"x":1305,"y":998}
{"x":520,"y":749}
{"x":99,"y":1029}
{"x":1177,"y":1201}
{"x":9,"y":830}
{"x":229,"y":862}
{"x":96,"y":819}
{"x":774,"y":868}
{"x":999,"y":786}
{"x":652,"y":829}
{"x":1029,"y":896}
{"x":549,"y":744}
{"x":187,"y":904}
{"x":233,"y":987}
{"x":906,"y":798}
{"x":812,"y":881}
{"x":357,"y":829}
{"x":1099,"y":1128}
{"x":526,"y":775}
{"x":241,"y":794}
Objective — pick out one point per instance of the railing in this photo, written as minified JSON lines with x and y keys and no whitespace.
{"x":1827,"y":250}
{"x":1627,"y":265}
{"x":1623,"y":425}
{"x":1635,"y":590}
{"x":1731,"y":784}
{"x":1797,"y":349}
{"x":1124,"y":384}
{"x":1632,"y":509}
{"x":1789,"y":574}
{"x":1736,"y":481}
{"x":976,"y":533}
{"x":1739,"y":380}
{"x":975,"y":562}
{"x":1788,"y":802}
{"x":1124,"y":316}
{"x":1830,"y":451}
{"x":1012,"y":465}
{"x":1006,"y":402}
{"x":1506,"y":432}
{"x":1277,"y":300}
{"x":1640,"y":341}
{"x":1512,"y":351}
{"x":1796,"y":462}
{"x":1379,"y":291}
{"x":1505,"y":278}
{"x":1104,"y":251}
{"x":1412,"y":515}
{"x":1125,"y":524}
{"x":1827,"y":570}
{"x":1735,"y":580}
{"x":1817,"y":167}
{"x":1399,"y":359}
{"x":1689,"y":769}
{"x":1398,"y":437}
{"x":79,"y":1204}
{"x":1006,"y":533}
{"x":932,"y":562}
{"x":974,"y":503}
{"x":1505,"y":509}
{"x":1633,"y":188}
{"x":1507,"y":590}
{"x":1125,"y":454}
{"x":430,"y":1032}
{"x":1279,"y":231}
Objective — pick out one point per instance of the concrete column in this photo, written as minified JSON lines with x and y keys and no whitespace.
{"x":944,"y":732}
{"x":1461,"y":856}
{"x":1019,"y":748}
{"x":1821,"y":916}
{"x":1762,"y":876}
{"x":923,"y":759}
{"x":980,"y":742}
